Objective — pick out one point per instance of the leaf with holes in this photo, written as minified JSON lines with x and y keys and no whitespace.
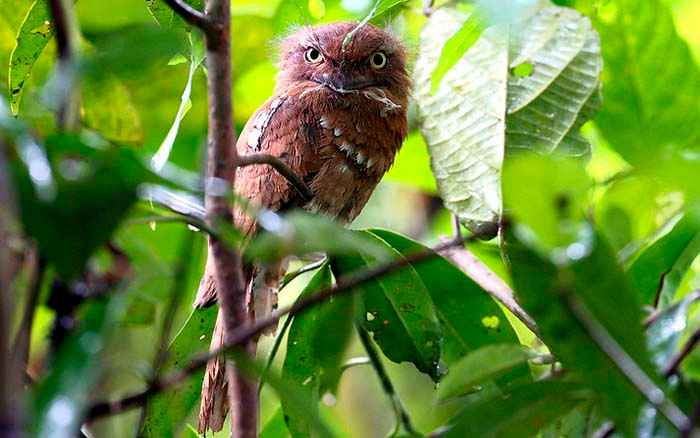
{"x":469,"y":317}
{"x":531,"y":88}
{"x":397,"y":310}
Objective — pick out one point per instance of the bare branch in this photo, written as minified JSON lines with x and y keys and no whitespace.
{"x":37,"y":264}
{"x":678,"y":358}
{"x":221,"y":164}
{"x":64,"y":22}
{"x":250,"y":331}
{"x":189,"y":14}
{"x":282,"y":168}
{"x":490,"y":282}
{"x":9,"y":375}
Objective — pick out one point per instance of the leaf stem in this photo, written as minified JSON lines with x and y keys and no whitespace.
{"x":403,"y":420}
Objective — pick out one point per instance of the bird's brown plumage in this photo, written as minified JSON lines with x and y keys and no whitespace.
{"x":337,"y":118}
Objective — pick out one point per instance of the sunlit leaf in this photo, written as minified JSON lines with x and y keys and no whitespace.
{"x":483,"y":109}
{"x":107,"y":107}
{"x":481,"y":366}
{"x":397,"y":310}
{"x":36,"y":31}
{"x":275,"y":426}
{"x":647,"y":109}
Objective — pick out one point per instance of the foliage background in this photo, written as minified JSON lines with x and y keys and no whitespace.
{"x":145,"y":95}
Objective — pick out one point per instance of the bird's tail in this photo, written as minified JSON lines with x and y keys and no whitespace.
{"x":261,"y":295}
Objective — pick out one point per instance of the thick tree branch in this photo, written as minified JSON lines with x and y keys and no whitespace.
{"x":252,"y":330}
{"x":490,"y":282}
{"x":9,"y":376}
{"x":221,"y":164}
{"x":282,"y":168}
{"x":189,"y":14}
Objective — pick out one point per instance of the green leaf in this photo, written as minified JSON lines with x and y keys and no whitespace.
{"x":482,"y":366}
{"x":397,"y":310}
{"x":482,"y":110}
{"x":290,"y":13}
{"x":60,"y":399}
{"x":275,"y":426}
{"x":301,"y":233}
{"x":547,"y":194}
{"x":160,"y":12}
{"x":656,"y":273}
{"x":647,"y":109}
{"x":315,"y":346}
{"x":520,"y":413}
{"x":456,"y":46}
{"x":36,"y":31}
{"x":567,"y":262}
{"x":545,"y":291}
{"x":107,"y":107}
{"x":84,"y":191}
{"x":169,"y":410}
{"x":461,"y":305}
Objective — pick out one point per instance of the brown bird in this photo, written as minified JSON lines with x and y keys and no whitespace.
{"x":337,"y":119}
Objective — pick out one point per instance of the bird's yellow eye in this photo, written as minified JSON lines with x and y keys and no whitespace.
{"x":377,"y":60}
{"x":313,"y":56}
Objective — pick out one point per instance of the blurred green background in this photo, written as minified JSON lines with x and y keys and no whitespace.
{"x":142,"y":98}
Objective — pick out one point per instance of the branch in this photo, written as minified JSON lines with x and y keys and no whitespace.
{"x":490,"y":282}
{"x":64,"y":22}
{"x":23,"y":336}
{"x":678,"y":358}
{"x":189,"y":14}
{"x":243,"y":334}
{"x":9,"y":375}
{"x":403,"y":421}
{"x":282,"y":168}
{"x":222,"y":162}
{"x":629,"y":368}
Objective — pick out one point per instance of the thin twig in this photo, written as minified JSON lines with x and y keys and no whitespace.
{"x":189,"y":14}
{"x":490,"y":282}
{"x":678,"y":358}
{"x":355,"y":362}
{"x":23,"y":336}
{"x":403,"y":420}
{"x":250,"y":331}
{"x":629,"y":368}
{"x":651,"y":319}
{"x":282,"y":168}
{"x":64,"y":24}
